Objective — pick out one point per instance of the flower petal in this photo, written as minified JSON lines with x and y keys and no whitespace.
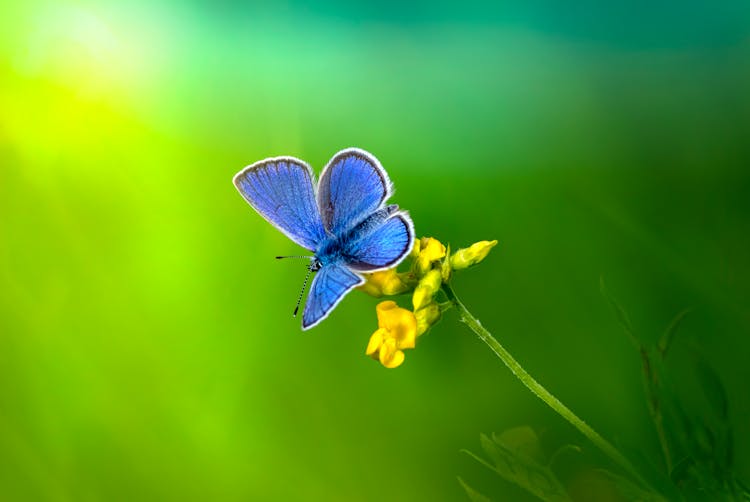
{"x":432,"y":250}
{"x":402,"y":327}
{"x":384,"y":310}
{"x":396,"y":360}
{"x":406,"y":334}
{"x":376,"y":340}
{"x":397,"y":330}
{"x":387,"y":350}
{"x":390,"y":356}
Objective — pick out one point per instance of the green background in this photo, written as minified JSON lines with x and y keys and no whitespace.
{"x":147,"y":351}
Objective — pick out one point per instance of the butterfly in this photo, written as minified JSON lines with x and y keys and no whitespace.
{"x":343,"y":219}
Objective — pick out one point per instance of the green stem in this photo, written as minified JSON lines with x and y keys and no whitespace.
{"x":536,"y":388}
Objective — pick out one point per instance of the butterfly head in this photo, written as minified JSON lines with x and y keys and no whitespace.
{"x":315,"y":264}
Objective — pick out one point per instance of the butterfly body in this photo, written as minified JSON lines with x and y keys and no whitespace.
{"x":342,"y":219}
{"x":336,"y":249}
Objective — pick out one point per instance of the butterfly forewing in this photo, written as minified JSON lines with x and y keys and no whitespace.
{"x":351,"y":187}
{"x":281,"y":190}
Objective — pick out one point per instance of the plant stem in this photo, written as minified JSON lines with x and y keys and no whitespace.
{"x":537,"y":389}
{"x":651,"y":385}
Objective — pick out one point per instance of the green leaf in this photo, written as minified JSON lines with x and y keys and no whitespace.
{"x":744,"y":490}
{"x":665,"y":342}
{"x":680,"y":471}
{"x":568,"y":448}
{"x":516,"y":455}
{"x":631,"y":491}
{"x":522,"y":440}
{"x":491,"y":450}
{"x":445,"y":268}
{"x":474,"y":495}
{"x":479,"y":459}
{"x":712,"y":387}
{"x":703,"y":438}
{"x":622,"y":316}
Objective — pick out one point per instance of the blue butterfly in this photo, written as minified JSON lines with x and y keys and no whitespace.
{"x":343,"y":220}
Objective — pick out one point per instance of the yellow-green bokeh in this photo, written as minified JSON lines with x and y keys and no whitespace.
{"x":147,"y":350}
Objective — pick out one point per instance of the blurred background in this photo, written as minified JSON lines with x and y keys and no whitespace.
{"x":147,"y":348}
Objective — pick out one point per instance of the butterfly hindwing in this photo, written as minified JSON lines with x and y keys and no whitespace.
{"x":329,"y":286}
{"x":282,"y":191}
{"x":381,"y":246}
{"x":352,"y":185}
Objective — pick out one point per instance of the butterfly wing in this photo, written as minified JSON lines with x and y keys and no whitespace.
{"x":382,"y":244}
{"x":352,"y":185}
{"x":329,"y":286}
{"x":282,"y":190}
{"x":386,"y":237}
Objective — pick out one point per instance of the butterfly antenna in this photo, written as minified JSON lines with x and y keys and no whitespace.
{"x":300,"y":256}
{"x":304,"y":285}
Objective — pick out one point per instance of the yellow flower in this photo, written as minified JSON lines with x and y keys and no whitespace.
{"x":465,"y":258}
{"x":397,"y":330}
{"x":426,"y":317}
{"x":385,"y":283}
{"x":430,"y":251}
{"x":427,"y":288}
{"x":416,"y":248}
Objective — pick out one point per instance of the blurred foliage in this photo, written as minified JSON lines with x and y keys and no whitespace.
{"x":147,"y":348}
{"x":696,"y":443}
{"x":516,"y":455}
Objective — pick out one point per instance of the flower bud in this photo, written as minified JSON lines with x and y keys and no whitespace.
{"x":426,"y":289}
{"x":426,"y":317}
{"x":465,"y":258}
{"x":430,"y":251}
{"x":416,"y":248}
